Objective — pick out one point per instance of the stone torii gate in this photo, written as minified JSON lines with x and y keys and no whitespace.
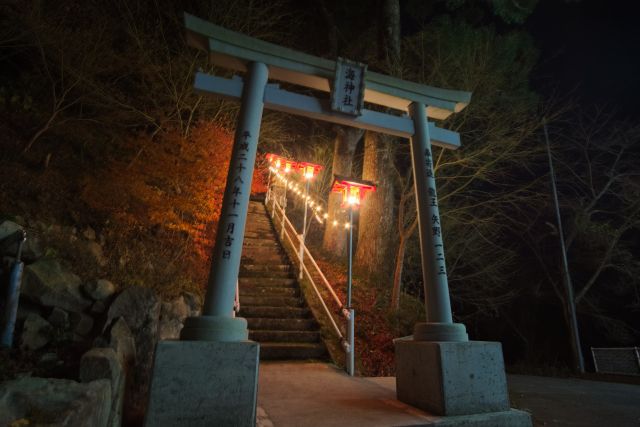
{"x":213,"y":369}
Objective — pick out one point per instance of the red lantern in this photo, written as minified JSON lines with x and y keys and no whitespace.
{"x":309,"y":170}
{"x":289,"y":165}
{"x":353,"y":190}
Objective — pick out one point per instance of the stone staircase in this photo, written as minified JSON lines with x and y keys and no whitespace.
{"x":270,"y":297}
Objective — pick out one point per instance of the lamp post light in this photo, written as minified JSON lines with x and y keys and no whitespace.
{"x":309,"y":171}
{"x":353,"y":193}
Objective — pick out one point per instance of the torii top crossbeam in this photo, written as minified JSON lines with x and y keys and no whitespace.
{"x":234,"y":51}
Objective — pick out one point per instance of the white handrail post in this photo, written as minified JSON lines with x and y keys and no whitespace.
{"x":284,"y":208}
{"x":273,"y":204}
{"x":268,"y":186}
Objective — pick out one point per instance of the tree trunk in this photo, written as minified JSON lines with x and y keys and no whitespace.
{"x":376,"y":227}
{"x":335,"y":239}
{"x":390,"y":35}
{"x":397,"y":274}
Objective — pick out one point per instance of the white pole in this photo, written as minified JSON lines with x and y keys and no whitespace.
{"x":578,"y":359}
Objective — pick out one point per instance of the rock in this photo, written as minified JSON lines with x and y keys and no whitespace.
{"x":140,"y":309}
{"x":103,"y":363}
{"x":49,"y":362}
{"x":95,"y":250}
{"x":81,"y":323}
{"x":99,"y":307}
{"x":31,"y":249}
{"x":194,"y":302}
{"x":174,"y":312}
{"x":89,"y":233}
{"x":36,"y":333}
{"x":99,"y":289}
{"x":122,"y":342}
{"x":26,"y":307}
{"x":59,"y":318}
{"x":172,"y":317}
{"x":47,"y":283}
{"x":55,"y":402}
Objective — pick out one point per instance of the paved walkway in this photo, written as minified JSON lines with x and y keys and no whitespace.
{"x":316,"y":394}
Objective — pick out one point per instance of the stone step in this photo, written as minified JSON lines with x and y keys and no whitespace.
{"x":271,"y":301}
{"x":259,"y":218}
{"x":255,"y":225}
{"x":262,"y":250}
{"x":264,"y":267}
{"x":291,"y":351}
{"x":285,"y":336}
{"x":253,"y":258}
{"x":261,"y":323}
{"x":259,"y":235}
{"x":268,"y":274}
{"x":265,"y":281}
{"x":262,"y":242}
{"x":265,"y":312}
{"x":274,"y":291}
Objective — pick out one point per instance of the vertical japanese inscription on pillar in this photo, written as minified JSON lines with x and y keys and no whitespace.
{"x":238,"y":182}
{"x":347,"y":93}
{"x":432,"y":201}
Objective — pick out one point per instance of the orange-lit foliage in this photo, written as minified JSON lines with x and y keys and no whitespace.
{"x":169,"y":197}
{"x":374,"y":337}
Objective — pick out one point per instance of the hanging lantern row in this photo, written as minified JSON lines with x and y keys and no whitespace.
{"x":308,"y":170}
{"x":314,"y":204}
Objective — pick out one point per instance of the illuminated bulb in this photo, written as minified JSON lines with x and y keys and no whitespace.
{"x":326,"y":215}
{"x":346,"y":225}
{"x":353,"y":200}
{"x":335,"y":222}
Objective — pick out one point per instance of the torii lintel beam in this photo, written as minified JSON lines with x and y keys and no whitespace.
{"x":281,"y":100}
{"x":232,"y":50}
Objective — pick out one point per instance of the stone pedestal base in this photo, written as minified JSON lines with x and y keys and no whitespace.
{"x":204,"y":383}
{"x":452,"y":378}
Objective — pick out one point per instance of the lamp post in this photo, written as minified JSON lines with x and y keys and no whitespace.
{"x":309,"y":171}
{"x":353,"y":193}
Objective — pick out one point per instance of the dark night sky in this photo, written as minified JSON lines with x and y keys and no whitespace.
{"x":591,"y":49}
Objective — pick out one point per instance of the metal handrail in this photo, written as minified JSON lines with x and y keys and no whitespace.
{"x":279,"y":212}
{"x":348,"y":343}
{"x":313,"y":261}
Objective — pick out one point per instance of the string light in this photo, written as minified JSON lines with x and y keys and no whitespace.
{"x":322,"y":218}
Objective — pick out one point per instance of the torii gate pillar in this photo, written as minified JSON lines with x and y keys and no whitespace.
{"x":438,"y":369}
{"x":210,"y":377}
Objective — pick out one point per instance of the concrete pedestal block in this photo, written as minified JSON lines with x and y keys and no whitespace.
{"x":451,"y":378}
{"x":204,"y":383}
